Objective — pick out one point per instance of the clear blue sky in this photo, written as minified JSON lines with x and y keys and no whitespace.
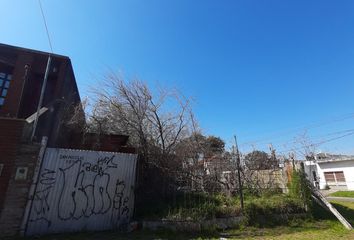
{"x":255,"y":68}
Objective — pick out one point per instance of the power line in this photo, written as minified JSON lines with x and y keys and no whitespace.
{"x":287,"y":144}
{"x":304,"y":128}
{"x":317,"y":144}
{"x":284,"y":143}
{"x":45,"y":25}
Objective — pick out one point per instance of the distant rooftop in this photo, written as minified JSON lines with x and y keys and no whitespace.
{"x":328,"y":157}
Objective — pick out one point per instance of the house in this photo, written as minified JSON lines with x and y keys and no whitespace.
{"x":21,"y":79}
{"x":330,"y":170}
{"x":22,"y":153}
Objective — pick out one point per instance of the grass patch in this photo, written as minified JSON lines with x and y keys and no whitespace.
{"x":263,"y":211}
{"x":191,"y":206}
{"x":349,"y":194}
{"x":200,"y":206}
{"x":324,"y":229}
{"x":308,"y":229}
{"x":322,"y":226}
{"x":346,"y":209}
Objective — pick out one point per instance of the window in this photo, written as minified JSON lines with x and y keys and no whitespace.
{"x":339,"y":176}
{"x":334,"y":177}
{"x":5,"y":80}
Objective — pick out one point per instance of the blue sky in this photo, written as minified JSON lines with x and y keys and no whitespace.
{"x":259,"y":69}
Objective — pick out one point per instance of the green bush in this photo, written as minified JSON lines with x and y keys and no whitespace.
{"x":272,"y":210}
{"x":300,"y":188}
{"x":201,"y":206}
{"x":277,"y":204}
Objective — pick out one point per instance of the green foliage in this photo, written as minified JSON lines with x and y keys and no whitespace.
{"x":295,"y":229}
{"x":318,"y":213}
{"x":193,"y":206}
{"x":324,"y":227}
{"x":272,"y":210}
{"x":215,"y":144}
{"x":346,"y":209}
{"x":202,"y":206}
{"x":277,"y":204}
{"x":300,"y":188}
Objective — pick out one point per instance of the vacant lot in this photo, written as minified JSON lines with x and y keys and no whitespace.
{"x":323,"y":226}
{"x":326,"y":229}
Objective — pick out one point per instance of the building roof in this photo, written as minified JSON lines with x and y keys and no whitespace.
{"x":33,"y":51}
{"x":328,"y":157}
{"x":9,"y":53}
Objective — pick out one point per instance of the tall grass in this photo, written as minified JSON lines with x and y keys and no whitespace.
{"x":201,"y":206}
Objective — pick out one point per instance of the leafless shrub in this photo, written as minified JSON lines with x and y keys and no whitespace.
{"x":156,"y":123}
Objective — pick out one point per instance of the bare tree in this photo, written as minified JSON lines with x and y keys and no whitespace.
{"x":155,"y":121}
{"x":74,"y":116}
{"x":304,"y":146}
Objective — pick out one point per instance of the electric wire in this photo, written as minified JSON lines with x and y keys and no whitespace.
{"x":311,"y":138}
{"x":45,"y":25}
{"x":316,"y":144}
{"x":297,"y":129}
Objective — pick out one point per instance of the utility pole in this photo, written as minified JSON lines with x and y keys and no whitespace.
{"x":41,"y":96}
{"x":238,"y":164}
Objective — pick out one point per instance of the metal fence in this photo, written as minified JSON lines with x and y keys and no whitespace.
{"x":82,"y":190}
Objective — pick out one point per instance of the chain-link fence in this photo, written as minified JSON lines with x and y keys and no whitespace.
{"x":214,"y":186}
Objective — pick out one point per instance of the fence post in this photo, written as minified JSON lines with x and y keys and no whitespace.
{"x":33,"y":187}
{"x":238,"y":162}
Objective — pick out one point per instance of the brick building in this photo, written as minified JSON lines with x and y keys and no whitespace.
{"x":21,"y":78}
{"x":22,"y":73}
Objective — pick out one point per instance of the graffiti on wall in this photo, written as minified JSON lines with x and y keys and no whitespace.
{"x":78,"y":188}
{"x":41,"y":205}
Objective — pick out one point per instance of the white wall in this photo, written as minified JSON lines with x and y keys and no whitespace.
{"x":346,"y":166}
{"x":310,"y":166}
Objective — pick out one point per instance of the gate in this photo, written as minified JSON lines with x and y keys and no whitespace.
{"x":82,"y":191}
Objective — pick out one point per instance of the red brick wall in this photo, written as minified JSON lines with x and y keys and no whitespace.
{"x":10,"y":137}
{"x":16,"y":196}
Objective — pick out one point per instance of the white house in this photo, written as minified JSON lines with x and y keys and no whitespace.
{"x":334,"y":171}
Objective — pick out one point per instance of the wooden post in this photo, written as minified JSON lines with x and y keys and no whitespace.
{"x":238,"y":164}
{"x":324,"y":201}
{"x":40,"y":101}
{"x":33,"y":187}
